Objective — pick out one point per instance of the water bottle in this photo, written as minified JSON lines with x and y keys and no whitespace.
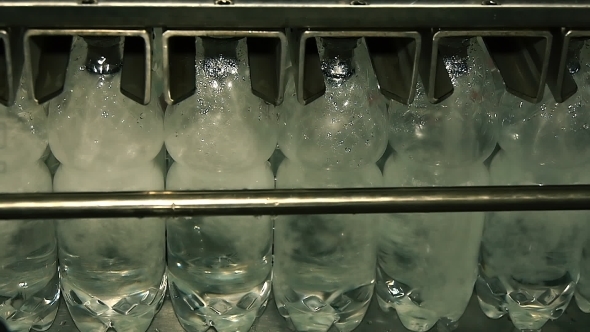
{"x":29,"y":285}
{"x":324,"y":271}
{"x":111,"y":270}
{"x":530,"y":261}
{"x":427,"y":263}
{"x":220,"y":268}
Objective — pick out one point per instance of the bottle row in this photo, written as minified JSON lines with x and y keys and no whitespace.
{"x":323,"y":269}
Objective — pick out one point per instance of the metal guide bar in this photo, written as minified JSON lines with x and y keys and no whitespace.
{"x":302,"y":201}
{"x":521,"y":57}
{"x":321,"y":14}
{"x":11,"y":64}
{"x":267,"y":58}
{"x":394,"y":57}
{"x":47,"y":54}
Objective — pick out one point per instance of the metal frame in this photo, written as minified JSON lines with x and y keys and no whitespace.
{"x":280,"y":202}
{"x":329,"y":14}
{"x":386,"y":75}
{"x":560,"y":82}
{"x":11,"y":64}
{"x":58,"y":63}
{"x":270,"y":96}
{"x":527,"y":83}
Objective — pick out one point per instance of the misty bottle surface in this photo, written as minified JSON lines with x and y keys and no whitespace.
{"x":111,"y":270}
{"x":29,"y":285}
{"x":91,"y":124}
{"x":324,"y":269}
{"x":220,"y":268}
{"x":223,"y":125}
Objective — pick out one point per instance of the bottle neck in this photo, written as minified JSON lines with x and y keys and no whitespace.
{"x":337,"y":59}
{"x":104,"y":55}
{"x":220,"y":57}
{"x":454,"y":52}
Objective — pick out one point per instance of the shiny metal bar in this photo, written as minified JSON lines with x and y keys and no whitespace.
{"x":281,"y":202}
{"x":267,"y":14}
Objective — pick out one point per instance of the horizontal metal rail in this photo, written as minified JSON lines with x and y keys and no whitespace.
{"x":267,"y":14}
{"x":283,"y":202}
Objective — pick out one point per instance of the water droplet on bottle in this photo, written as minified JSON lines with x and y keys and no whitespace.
{"x":347,"y":149}
{"x":82,"y":68}
{"x":105,"y":114}
{"x":141,"y":115}
{"x":23,"y":284}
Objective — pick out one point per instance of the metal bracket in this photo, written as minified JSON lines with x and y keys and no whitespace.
{"x":559,"y":80}
{"x":47,"y":53}
{"x":394,"y":56}
{"x":267,"y":57}
{"x":522,"y":58}
{"x":11,"y":64}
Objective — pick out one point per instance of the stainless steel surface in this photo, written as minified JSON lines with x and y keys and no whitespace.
{"x":333,"y":14}
{"x":396,"y":66}
{"x":47,"y":54}
{"x":308,"y":201}
{"x":573,"y":320}
{"x":267,"y":60}
{"x":11,"y":63}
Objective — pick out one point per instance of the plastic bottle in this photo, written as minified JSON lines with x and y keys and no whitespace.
{"x":530,"y":260}
{"x":220,"y":138}
{"x":427,"y":263}
{"x":112,"y":270}
{"x":325,"y":264}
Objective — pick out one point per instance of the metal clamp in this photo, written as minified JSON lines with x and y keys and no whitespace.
{"x":521,"y":57}
{"x":267,"y":57}
{"x":11,"y":64}
{"x":559,"y":80}
{"x":47,"y":53}
{"x":394,"y":57}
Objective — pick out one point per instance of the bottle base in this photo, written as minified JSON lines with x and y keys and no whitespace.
{"x":529,"y":306}
{"x":37,"y":311}
{"x":310,"y":313}
{"x":225,"y":313}
{"x":129,"y":313}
